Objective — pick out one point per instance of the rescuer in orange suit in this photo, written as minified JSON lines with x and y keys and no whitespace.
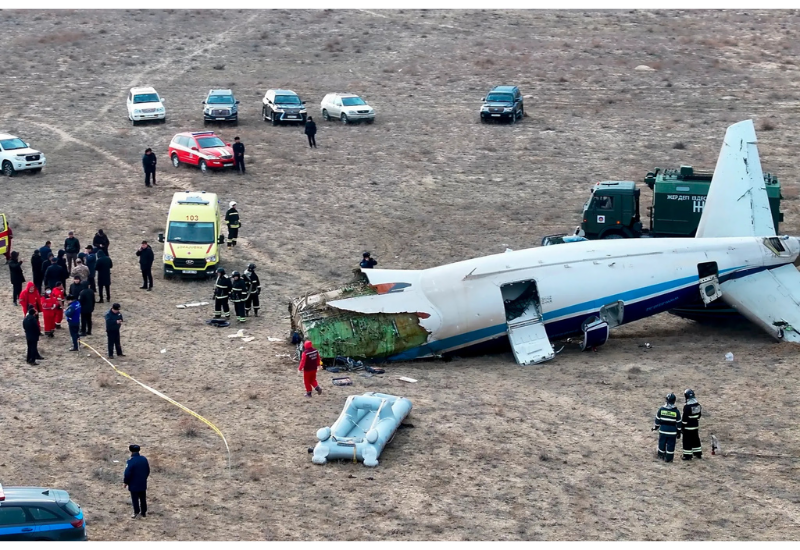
{"x":309,"y":364}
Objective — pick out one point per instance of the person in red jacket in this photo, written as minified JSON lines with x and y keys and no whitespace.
{"x":30,"y":297}
{"x":49,"y":308}
{"x":309,"y":363}
{"x":58,"y":293}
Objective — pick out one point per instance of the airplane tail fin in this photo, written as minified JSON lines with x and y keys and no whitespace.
{"x":737,"y":204}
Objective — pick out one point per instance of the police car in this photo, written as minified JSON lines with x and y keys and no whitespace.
{"x":38,"y":513}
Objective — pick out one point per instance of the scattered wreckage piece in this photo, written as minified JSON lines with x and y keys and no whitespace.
{"x":191,"y":304}
{"x":364,"y":428}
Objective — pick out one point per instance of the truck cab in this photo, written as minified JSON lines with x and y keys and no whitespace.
{"x":612,"y":211}
{"x":192,"y":236}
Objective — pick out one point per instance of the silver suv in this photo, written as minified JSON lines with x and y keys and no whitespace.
{"x":347,"y":108}
{"x":220,"y":106}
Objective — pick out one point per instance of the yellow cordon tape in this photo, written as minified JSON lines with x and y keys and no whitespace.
{"x":165,"y":397}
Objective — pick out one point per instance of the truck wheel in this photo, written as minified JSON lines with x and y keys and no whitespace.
{"x":275,"y":120}
{"x":613,"y":236}
{"x":175,"y":162}
{"x":8,"y":169}
{"x":325,"y":115}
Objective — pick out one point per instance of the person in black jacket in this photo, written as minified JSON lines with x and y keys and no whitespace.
{"x":72,"y":246}
{"x":222,"y":290}
{"x":90,"y":260}
{"x":135,"y":480}
{"x":311,"y":132}
{"x":254,"y":289}
{"x":146,"y":257}
{"x":76,"y":287}
{"x":367,"y":261}
{"x":32,"y":332}
{"x":233,"y":223}
{"x":149,"y":165}
{"x":668,"y":424}
{"x":53,"y":273}
{"x":62,"y":261}
{"x":239,"y":295}
{"x":36,"y":270}
{"x":100,"y":241}
{"x":113,"y":323}
{"x":103,"y":269}
{"x":45,"y":251}
{"x":238,"y":154}
{"x":86,"y":299}
{"x":17,"y":277}
{"x":692,"y":411}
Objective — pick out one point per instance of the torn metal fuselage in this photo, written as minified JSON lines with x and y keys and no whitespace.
{"x":338,"y":332}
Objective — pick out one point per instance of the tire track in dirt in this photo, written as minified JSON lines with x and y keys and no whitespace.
{"x":67,"y":137}
{"x":117,"y":99}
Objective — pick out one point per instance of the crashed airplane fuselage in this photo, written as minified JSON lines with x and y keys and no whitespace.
{"x":585,"y":288}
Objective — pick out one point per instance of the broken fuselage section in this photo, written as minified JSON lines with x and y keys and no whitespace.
{"x":338,"y":332}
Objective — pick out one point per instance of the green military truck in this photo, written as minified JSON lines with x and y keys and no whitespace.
{"x":612,"y":212}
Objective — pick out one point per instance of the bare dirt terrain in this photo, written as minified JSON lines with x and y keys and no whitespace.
{"x":556,"y":451}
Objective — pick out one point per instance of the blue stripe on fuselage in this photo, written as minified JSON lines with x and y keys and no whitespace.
{"x":663,"y":296}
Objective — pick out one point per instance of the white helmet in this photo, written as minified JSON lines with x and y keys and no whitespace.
{"x":233,"y":203}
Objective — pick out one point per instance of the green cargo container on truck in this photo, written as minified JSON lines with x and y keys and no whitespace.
{"x":612,"y":212}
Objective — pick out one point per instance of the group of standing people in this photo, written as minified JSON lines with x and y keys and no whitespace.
{"x":89,"y":272}
{"x":671,"y":424}
{"x":241,"y":289}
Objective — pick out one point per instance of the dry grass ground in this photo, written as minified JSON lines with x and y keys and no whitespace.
{"x":558,"y":451}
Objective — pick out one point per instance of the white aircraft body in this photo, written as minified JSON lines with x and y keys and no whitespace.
{"x":540,"y":294}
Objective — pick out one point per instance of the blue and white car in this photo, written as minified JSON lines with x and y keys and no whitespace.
{"x":38,"y":513}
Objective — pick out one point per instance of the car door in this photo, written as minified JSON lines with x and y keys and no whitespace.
{"x":47,"y":523}
{"x":188,"y":144}
{"x":15,"y":524}
{"x":337,"y":107}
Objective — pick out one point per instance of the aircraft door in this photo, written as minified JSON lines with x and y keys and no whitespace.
{"x":709,"y":282}
{"x":526,"y":330}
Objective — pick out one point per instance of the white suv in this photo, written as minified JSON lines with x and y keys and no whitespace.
{"x":16,"y":155}
{"x":347,"y":108}
{"x":145,"y":104}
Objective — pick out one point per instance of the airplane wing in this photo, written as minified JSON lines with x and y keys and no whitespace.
{"x":737,"y":203}
{"x":770,"y":299}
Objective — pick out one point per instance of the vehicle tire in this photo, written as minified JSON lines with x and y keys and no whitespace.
{"x":205,"y":124}
{"x":613,"y":236}
{"x":8,"y":169}
{"x":236,"y":122}
{"x":203,"y":167}
{"x":133,"y":122}
{"x":264,"y":114}
{"x":513,"y":118}
{"x":343,"y":118}
{"x":175,"y":161}
{"x":164,"y":120}
{"x":325,"y":115}
{"x":35,"y":170}
{"x":275,"y":120}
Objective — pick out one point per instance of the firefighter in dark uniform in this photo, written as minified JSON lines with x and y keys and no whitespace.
{"x":222,"y":289}
{"x":254,"y":288}
{"x":232,"y":219}
{"x":239,"y":295}
{"x":668,"y":424}
{"x":691,"y":426}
